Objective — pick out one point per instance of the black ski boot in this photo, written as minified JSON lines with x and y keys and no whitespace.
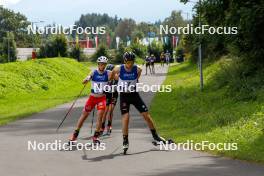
{"x":157,"y":139}
{"x":125,"y":144}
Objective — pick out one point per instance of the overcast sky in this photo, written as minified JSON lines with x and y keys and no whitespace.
{"x":66,"y":12}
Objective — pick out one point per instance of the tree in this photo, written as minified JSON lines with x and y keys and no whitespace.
{"x":125,"y":28}
{"x":119,"y":53}
{"x":247,"y":16}
{"x":9,"y":48}
{"x":16,"y":23}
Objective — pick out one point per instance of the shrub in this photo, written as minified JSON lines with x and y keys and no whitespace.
{"x":76,"y":52}
{"x":155,"y":48}
{"x":54,"y":47}
{"x":139,"y":49}
{"x":101,"y":51}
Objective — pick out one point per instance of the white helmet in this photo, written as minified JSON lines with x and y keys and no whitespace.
{"x":102,"y":59}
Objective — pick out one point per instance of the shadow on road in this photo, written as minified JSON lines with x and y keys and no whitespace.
{"x":113,"y":155}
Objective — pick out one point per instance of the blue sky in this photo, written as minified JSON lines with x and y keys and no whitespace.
{"x":66,"y":12}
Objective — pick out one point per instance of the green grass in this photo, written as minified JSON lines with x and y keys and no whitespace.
{"x":211,"y":115}
{"x":32,"y":86}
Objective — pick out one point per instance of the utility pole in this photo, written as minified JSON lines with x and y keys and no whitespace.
{"x":33,"y":42}
{"x":200,"y":52}
{"x":32,"y":23}
{"x":8,"y":48}
{"x":200,"y":62}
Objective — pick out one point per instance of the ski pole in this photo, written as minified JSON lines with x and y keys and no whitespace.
{"x":70,"y":109}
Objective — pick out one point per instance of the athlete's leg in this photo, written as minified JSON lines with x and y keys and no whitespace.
{"x":124,"y":107}
{"x":100,"y":114}
{"x":101,"y":105}
{"x":110,"y":114}
{"x":82,"y":118}
{"x":90,"y":104}
{"x":104,"y":119}
{"x":125,"y":123}
{"x":150,"y":69}
{"x":148,"y":119}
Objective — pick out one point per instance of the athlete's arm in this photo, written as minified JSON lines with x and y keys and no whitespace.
{"x":114,"y":72}
{"x":109,"y":73}
{"x":88,"y":78}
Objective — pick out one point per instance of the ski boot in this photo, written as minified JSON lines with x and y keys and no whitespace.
{"x":109,"y":130}
{"x":158,"y":140}
{"x":125,"y":144}
{"x":74,"y":137}
{"x":102,"y":131}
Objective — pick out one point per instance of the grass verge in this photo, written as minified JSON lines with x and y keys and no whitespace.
{"x":212,"y":115}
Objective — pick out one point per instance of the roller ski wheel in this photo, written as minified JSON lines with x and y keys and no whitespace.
{"x":125,"y":148}
{"x":161,"y":140}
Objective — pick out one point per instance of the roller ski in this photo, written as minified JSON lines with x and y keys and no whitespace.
{"x":96,"y":141}
{"x":96,"y":138}
{"x":160,"y":140}
{"x":125,"y":145}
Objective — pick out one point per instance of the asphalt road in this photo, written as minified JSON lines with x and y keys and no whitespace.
{"x":143,"y":158}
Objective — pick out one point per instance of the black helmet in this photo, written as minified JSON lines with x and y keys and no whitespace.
{"x":110,"y":67}
{"x":129,"y":56}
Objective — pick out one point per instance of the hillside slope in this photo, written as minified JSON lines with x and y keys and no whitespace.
{"x":32,"y":86}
